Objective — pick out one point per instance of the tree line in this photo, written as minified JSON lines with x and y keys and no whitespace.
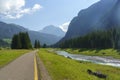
{"x":37,"y":44}
{"x":101,"y":39}
{"x":22,"y":41}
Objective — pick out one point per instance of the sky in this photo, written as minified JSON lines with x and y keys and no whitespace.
{"x":36,"y":14}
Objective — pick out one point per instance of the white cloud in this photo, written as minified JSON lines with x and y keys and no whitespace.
{"x":15,"y":9}
{"x":36,"y":7}
{"x":64,"y":26}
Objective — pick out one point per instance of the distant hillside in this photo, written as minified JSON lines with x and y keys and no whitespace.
{"x":104,"y":15}
{"x":3,"y":43}
{"x":53,"y":30}
{"x":8,"y":30}
{"x":43,"y":38}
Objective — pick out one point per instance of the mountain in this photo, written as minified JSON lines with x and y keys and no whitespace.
{"x":43,"y":38}
{"x":101,"y":15}
{"x":51,"y":29}
{"x":8,"y":30}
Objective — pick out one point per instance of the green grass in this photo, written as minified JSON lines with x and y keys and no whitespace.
{"x":61,"y":68}
{"x":7,"y":40}
{"x":7,"y":56}
{"x":94,"y":52}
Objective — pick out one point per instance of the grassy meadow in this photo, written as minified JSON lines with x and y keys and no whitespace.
{"x":7,"y":56}
{"x":96,"y":52}
{"x":61,"y":68}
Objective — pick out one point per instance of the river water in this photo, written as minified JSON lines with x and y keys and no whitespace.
{"x":93,"y":59}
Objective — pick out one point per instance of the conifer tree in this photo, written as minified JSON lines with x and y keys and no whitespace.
{"x":44,"y":45}
{"x":21,"y":41}
{"x":37,"y":44}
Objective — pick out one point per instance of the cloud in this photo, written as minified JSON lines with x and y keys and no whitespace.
{"x":15,"y":9}
{"x":64,"y":26}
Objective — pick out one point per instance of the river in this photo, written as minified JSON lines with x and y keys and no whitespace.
{"x":93,"y":59}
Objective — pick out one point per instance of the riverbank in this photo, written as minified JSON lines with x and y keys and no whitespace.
{"x":107,"y":53}
{"x":93,"y":59}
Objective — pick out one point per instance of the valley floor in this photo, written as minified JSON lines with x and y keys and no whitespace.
{"x":51,"y":66}
{"x":61,"y":68}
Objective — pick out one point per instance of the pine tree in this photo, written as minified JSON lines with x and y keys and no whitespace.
{"x":13,"y":42}
{"x":21,"y":41}
{"x":29,"y":45}
{"x":16,"y":44}
{"x":44,"y":45}
{"x":37,"y":44}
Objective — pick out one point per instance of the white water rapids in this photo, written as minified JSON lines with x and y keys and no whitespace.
{"x":93,"y":59}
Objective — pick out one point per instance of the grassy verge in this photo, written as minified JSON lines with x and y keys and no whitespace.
{"x":104,"y":52}
{"x":61,"y":68}
{"x":7,"y":56}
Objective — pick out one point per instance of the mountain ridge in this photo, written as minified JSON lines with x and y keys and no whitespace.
{"x":8,"y":30}
{"x":97,"y":16}
{"x":53,"y":30}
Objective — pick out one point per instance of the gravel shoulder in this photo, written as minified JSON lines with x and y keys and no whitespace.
{"x":43,"y":73}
